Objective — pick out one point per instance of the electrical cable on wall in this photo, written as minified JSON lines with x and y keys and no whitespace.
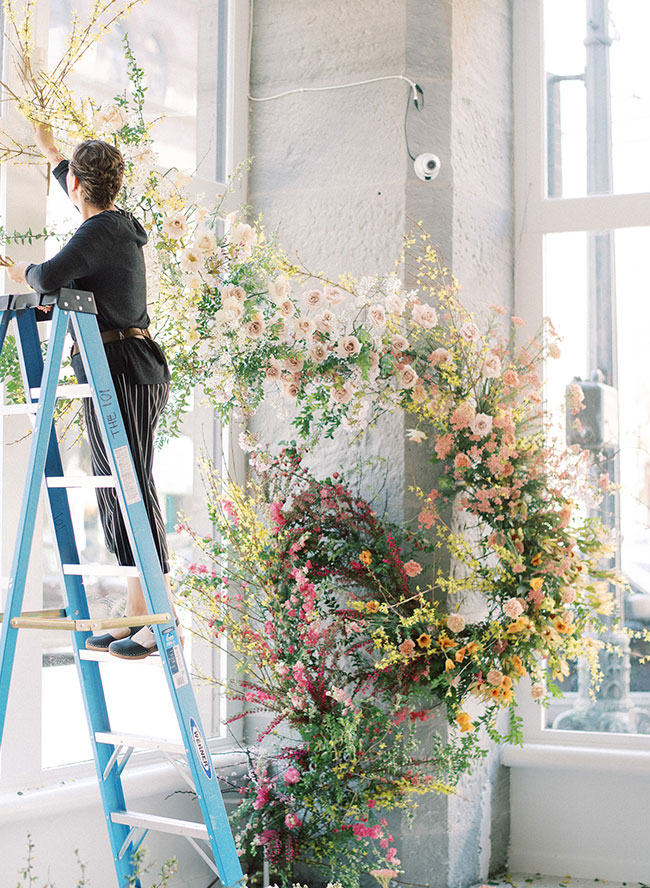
{"x":426,"y":166}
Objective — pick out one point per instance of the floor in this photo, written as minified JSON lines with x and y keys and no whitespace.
{"x":526,"y":880}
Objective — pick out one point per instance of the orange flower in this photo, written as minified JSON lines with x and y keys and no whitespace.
{"x":365,"y":558}
{"x":446,"y":643}
{"x":464,"y":722}
{"x":495,"y":693}
{"x":563,"y":626}
{"x":472,"y":648}
{"x":372,"y":607}
{"x":424,"y":640}
{"x":516,"y":626}
{"x":460,"y":655}
{"x":536,"y":584}
{"x":536,"y":560}
{"x":449,"y":665}
{"x":518,"y":665}
{"x":506,"y":682}
{"x":507,"y":695}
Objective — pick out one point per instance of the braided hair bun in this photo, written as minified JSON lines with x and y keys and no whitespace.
{"x":99,"y":167}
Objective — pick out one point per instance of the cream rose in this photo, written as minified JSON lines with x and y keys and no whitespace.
{"x":294,"y":364}
{"x":317,"y":352}
{"x":326,"y":322}
{"x":279,"y":289}
{"x":407,"y":376}
{"x":274,"y":370}
{"x":470,"y":331}
{"x":399,"y":343}
{"x":494,"y":677}
{"x":175,"y":226}
{"x":425,"y":316}
{"x":395,"y":304}
{"x":491,"y":367}
{"x":205,"y":241}
{"x":333,"y":295}
{"x":342,"y":395}
{"x":306,"y":327}
{"x":348,"y":346}
{"x":109,"y":118}
{"x":191,"y":259}
{"x":481,"y":424}
{"x":287,"y":308}
{"x":513,"y":608}
{"x":377,"y":316}
{"x":256,"y":325}
{"x":290,"y":389}
{"x":537,"y":691}
{"x":313,"y":298}
{"x":230,"y":291}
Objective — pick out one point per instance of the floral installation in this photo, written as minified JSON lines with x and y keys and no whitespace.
{"x":330,"y":613}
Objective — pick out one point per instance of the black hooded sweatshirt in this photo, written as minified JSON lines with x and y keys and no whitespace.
{"x":105,"y":256}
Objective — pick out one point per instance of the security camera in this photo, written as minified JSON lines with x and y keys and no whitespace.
{"x":426,"y":166}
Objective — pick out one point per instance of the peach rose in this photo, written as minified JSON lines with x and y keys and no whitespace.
{"x":407,"y":376}
{"x":412,"y":568}
{"x":425,"y":315}
{"x":348,"y":346}
{"x":455,"y":623}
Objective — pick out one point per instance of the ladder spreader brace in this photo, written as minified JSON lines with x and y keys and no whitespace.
{"x":126,"y":829}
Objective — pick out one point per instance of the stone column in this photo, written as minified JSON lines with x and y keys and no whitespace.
{"x":332,"y":175}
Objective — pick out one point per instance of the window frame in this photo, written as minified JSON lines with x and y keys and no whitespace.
{"x":536,"y":215}
{"x":20,"y":760}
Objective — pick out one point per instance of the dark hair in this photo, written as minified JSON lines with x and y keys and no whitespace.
{"x":99,"y":168}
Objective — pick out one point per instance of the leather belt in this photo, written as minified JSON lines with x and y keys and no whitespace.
{"x":115,"y":335}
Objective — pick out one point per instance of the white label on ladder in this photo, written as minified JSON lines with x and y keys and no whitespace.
{"x":201,"y":748}
{"x":177,"y":665}
{"x":127,"y":475}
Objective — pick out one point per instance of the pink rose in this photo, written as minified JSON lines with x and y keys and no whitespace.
{"x":291,"y":776}
{"x":481,"y":424}
{"x":292,"y":821}
{"x":412,"y":568}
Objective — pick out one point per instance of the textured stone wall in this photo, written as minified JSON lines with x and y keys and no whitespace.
{"x":332,"y":176}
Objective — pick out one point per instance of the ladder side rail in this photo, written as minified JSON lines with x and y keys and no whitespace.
{"x":24,"y":537}
{"x":156,"y":598}
{"x":5,"y":318}
{"x":92,"y":692}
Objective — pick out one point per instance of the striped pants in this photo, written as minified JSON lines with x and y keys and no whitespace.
{"x":141,"y":407}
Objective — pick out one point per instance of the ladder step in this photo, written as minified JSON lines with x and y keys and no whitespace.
{"x":90,"y":624}
{"x":100,"y":570}
{"x":161,"y":824}
{"x":66,"y":391}
{"x":139,"y":741}
{"x":80,"y":481}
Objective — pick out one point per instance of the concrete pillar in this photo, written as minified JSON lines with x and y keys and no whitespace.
{"x":331,"y":174}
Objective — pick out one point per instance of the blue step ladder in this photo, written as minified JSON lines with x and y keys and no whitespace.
{"x":111,"y":750}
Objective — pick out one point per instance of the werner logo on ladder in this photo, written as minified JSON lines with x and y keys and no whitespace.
{"x":126,"y":828}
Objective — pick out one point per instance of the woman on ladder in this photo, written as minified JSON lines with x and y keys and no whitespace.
{"x":105,"y":256}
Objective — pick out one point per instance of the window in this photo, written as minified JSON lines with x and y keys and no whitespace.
{"x":194,"y":56}
{"x":582,"y":104}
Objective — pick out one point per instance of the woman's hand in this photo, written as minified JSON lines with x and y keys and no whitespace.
{"x":17,"y":272}
{"x":45,"y":143}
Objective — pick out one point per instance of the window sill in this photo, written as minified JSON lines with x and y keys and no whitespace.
{"x":576,"y":758}
{"x":148,"y":779}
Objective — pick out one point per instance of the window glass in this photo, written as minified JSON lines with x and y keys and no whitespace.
{"x":598,"y":97}
{"x":623,"y":703}
{"x":164,"y":38}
